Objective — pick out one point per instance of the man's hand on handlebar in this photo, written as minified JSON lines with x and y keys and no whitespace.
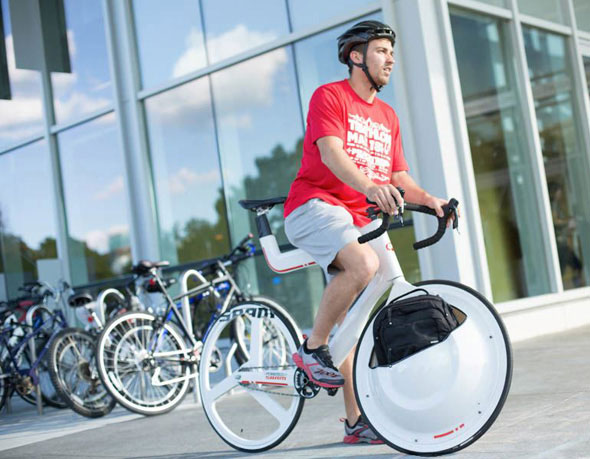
{"x":387,"y":197}
{"x":436,"y":204}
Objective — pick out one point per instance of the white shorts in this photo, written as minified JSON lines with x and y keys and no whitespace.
{"x":322,"y":230}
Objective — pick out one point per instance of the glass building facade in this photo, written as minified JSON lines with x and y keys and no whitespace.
{"x":211,"y":97}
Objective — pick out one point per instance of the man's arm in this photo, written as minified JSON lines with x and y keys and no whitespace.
{"x":416,"y":194}
{"x":337,"y":160}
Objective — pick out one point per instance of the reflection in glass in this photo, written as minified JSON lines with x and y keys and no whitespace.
{"x":21,"y":116}
{"x":94,"y":194}
{"x":502,"y":166}
{"x":550,"y":10}
{"x":566,"y":164}
{"x":260,"y":139}
{"x":586,"y":60}
{"x":582,"y":13}
{"x":322,"y":11}
{"x":169,"y":40}
{"x":88,"y":88}
{"x":501,"y":3}
{"x":317,"y":64}
{"x":185,"y":164}
{"x":27,"y":214}
{"x":233,"y":26}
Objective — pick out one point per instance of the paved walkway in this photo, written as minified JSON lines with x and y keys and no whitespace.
{"x":547,"y":415}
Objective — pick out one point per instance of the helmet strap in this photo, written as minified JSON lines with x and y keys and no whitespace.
{"x":365,"y":69}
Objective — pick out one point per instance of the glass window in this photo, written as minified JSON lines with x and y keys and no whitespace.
{"x":550,"y":10}
{"x":169,"y":40}
{"x":586,"y":60}
{"x":321,"y":11}
{"x":185,"y":164}
{"x":317,"y":64}
{"x":27,"y":214}
{"x":88,"y":87}
{"x":501,"y":160}
{"x":501,"y":3}
{"x":233,"y":26}
{"x":21,"y":113}
{"x":582,"y":12}
{"x":260,"y":137}
{"x":566,"y":161}
{"x":94,"y":194}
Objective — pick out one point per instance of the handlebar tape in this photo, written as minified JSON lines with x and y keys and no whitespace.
{"x":450,"y":208}
{"x":376,"y":232}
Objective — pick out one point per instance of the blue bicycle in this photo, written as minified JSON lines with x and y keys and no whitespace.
{"x":29,"y":322}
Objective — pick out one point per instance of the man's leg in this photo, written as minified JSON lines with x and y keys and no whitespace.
{"x":357,"y":263}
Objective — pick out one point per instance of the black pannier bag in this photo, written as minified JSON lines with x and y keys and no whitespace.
{"x":407,"y":326}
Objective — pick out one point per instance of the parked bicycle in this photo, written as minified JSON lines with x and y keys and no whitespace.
{"x":147,"y":360}
{"x":72,"y":362}
{"x":434,"y":394}
{"x":27,"y":322}
{"x":72,"y":355}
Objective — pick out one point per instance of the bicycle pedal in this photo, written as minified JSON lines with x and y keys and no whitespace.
{"x":332,"y":391}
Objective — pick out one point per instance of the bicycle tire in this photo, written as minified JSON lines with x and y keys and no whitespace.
{"x":246,"y":433}
{"x":4,"y":388}
{"x":72,"y":367}
{"x":235,"y":331}
{"x":49,"y":395}
{"x":389,"y":401}
{"x":111,"y":358}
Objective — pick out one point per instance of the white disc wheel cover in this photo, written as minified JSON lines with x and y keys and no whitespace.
{"x":251,"y":417}
{"x":443,"y":396}
{"x":134,"y":389}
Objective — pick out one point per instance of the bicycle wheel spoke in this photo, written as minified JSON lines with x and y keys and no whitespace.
{"x":256,"y":333}
{"x":270,"y":405}
{"x":222,"y":388}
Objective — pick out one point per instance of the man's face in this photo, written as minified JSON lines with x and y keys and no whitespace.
{"x":380,"y":60}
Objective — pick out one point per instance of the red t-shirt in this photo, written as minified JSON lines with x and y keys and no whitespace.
{"x":371,"y":137}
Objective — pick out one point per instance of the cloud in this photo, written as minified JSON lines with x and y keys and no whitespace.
{"x":22,"y":116}
{"x":235,"y":41}
{"x":21,"y":121}
{"x":243,"y":86}
{"x":194,"y":56}
{"x":99,"y":239}
{"x":185,"y":178}
{"x":77,"y":104}
{"x":112,"y":189}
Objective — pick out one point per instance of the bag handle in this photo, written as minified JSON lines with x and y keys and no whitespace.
{"x":410,"y":292}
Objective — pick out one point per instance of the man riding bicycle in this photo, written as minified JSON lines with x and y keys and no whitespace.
{"x":352,"y":151}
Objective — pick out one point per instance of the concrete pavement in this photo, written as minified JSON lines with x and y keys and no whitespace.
{"x":547,"y":415}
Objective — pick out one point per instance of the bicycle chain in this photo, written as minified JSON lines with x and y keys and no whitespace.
{"x":256,"y":389}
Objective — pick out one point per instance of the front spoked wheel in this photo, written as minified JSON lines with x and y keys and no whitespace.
{"x":146,"y":367}
{"x":262,"y":387}
{"x":74,"y":374}
{"x":445,"y":397}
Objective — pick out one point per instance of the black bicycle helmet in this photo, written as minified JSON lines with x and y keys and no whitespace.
{"x":361,"y":34}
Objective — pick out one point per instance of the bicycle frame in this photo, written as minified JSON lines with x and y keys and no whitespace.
{"x":14,"y":352}
{"x":390,"y":274}
{"x":172,"y":311}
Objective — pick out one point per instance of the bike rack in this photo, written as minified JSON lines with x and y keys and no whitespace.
{"x":187,"y":317}
{"x":35,"y":373}
{"x":100,"y":311}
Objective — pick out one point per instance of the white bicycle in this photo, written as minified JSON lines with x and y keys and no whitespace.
{"x":432,"y":399}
